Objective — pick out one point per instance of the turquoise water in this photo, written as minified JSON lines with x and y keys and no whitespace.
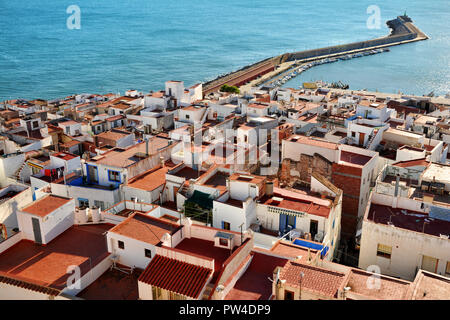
{"x":139,"y":44}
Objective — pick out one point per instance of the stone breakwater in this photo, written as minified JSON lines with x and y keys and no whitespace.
{"x":402,"y":31}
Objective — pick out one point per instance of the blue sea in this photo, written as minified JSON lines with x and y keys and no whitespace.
{"x":140,"y":44}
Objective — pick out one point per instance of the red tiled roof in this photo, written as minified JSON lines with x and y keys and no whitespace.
{"x":29,"y":286}
{"x":45,"y":205}
{"x":390,"y":288}
{"x":144,"y":228}
{"x":257,"y":106}
{"x":321,"y":281}
{"x":176,"y":276}
{"x":412,"y":163}
{"x":114,"y":118}
{"x":64,"y":155}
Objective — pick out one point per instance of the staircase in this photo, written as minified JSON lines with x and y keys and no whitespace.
{"x":371,"y":138}
{"x":16,"y":174}
{"x":207,"y":291}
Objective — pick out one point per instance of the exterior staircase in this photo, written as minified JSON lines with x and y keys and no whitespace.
{"x":16,"y":174}
{"x":372,"y":137}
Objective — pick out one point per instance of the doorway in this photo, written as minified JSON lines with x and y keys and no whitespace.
{"x":36,"y":230}
{"x":313,"y":228}
{"x":92,"y":174}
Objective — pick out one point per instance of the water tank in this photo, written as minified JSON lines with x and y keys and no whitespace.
{"x":80,"y":215}
{"x":269,"y":188}
{"x":95,"y":213}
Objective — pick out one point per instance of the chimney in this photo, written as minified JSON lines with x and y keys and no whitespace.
{"x":269,"y":188}
{"x":397,"y":182}
{"x":161,"y":159}
{"x":146,"y":147}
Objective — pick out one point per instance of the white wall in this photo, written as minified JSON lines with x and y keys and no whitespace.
{"x":9,"y":208}
{"x":133,"y":254}
{"x":408,"y":248}
{"x":51,"y":225}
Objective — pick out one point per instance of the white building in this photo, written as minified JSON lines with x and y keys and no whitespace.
{"x":133,"y":241}
{"x":46,"y":218}
{"x":402,"y":233}
{"x":71,"y":128}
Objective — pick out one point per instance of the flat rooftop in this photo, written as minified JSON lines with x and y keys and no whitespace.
{"x":313,"y":142}
{"x":65,"y":156}
{"x":430,"y":286}
{"x":187,"y":173}
{"x":83,"y":246}
{"x":291,"y":250}
{"x":151,"y":179}
{"x":297,"y":201}
{"x":217,"y":181}
{"x":354,"y":158}
{"x":437,"y":172}
{"x":45,"y":205}
{"x":123,"y":158}
{"x":409,"y":220}
{"x":254,"y":283}
{"x":250,"y":178}
{"x":113,"y":285}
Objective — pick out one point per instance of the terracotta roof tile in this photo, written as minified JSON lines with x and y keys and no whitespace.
{"x":144,"y":228}
{"x":176,"y":276}
{"x":318,"y":280}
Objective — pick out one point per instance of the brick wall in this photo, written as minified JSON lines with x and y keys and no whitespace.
{"x":348,"y":179}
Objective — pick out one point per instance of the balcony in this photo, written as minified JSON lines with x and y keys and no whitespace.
{"x":80,"y":181}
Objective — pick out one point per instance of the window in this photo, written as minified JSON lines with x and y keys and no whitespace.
{"x":288,"y":295}
{"x":156,"y":293}
{"x":83,"y":203}
{"x":447,"y":269}
{"x":148,"y":253}
{"x":223,"y":242}
{"x":291,"y":221}
{"x":187,"y":116}
{"x":225,"y":225}
{"x":99,"y":204}
{"x":114,"y":176}
{"x":429,"y":264}
{"x":121,"y":244}
{"x":176,"y":296}
{"x":35,"y":124}
{"x":384,"y":251}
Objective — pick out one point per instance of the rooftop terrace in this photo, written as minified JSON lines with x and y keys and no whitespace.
{"x":409,"y":220}
{"x":83,"y":246}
